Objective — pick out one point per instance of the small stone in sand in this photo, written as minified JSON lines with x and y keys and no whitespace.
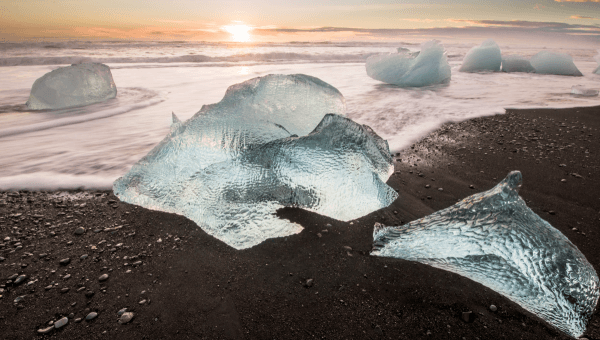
{"x":91,"y":316}
{"x":79,"y":231}
{"x":493,"y":308}
{"x":60,"y":323}
{"x":45,"y":330}
{"x":65,"y":262}
{"x":126,"y":317}
{"x":103,"y":277}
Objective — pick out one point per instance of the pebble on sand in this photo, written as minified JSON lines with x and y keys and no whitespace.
{"x":60,"y":323}
{"x":103,"y":277}
{"x":91,"y":316}
{"x":126,"y":317}
{"x":20,"y":279}
{"x":45,"y":330}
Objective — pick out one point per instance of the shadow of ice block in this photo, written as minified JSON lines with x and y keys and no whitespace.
{"x":495,"y":239}
{"x":235,"y":163}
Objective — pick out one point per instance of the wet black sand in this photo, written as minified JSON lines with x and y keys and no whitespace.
{"x":197,"y":287}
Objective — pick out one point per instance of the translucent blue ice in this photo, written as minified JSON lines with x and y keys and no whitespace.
{"x":75,"y":85}
{"x":485,"y":57}
{"x":580,"y":90}
{"x":231,"y":166}
{"x":515,"y":63}
{"x":411,"y":69}
{"x":495,"y":239}
{"x":546,"y":62}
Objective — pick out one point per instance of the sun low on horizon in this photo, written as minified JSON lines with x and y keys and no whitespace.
{"x":239,"y":32}
{"x":243,"y":21}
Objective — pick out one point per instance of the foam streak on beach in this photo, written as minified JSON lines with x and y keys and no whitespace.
{"x":90,"y":147}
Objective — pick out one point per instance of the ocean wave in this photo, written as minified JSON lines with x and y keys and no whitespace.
{"x":248,"y":57}
{"x":56,"y":181}
{"x":144,"y":98}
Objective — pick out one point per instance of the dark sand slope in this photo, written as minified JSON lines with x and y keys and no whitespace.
{"x":320,"y":284}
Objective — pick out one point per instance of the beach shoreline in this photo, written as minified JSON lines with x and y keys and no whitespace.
{"x":321,"y":283}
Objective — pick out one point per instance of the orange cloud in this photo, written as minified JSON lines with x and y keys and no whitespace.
{"x":582,"y":17}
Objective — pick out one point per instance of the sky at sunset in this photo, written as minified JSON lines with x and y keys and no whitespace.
{"x":574,"y":21}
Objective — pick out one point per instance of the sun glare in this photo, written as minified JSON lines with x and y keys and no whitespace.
{"x":239,"y":33}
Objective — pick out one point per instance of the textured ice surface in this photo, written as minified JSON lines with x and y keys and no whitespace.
{"x":414,"y":69}
{"x":515,"y":63}
{"x":597,"y":58}
{"x":232,"y":165}
{"x":561,"y":64}
{"x":580,"y":90}
{"x":495,"y":239}
{"x":75,"y":85}
{"x":485,"y":57}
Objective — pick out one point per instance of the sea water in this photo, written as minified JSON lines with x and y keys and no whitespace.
{"x":90,"y":147}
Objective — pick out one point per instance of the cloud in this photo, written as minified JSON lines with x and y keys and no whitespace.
{"x":577,"y":0}
{"x":472,"y":29}
{"x":581,"y":17}
{"x":540,"y":25}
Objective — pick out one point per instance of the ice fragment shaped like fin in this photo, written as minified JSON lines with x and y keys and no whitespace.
{"x":174,"y":119}
{"x":495,"y":239}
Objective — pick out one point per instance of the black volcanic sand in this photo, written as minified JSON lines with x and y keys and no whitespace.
{"x":319,"y":284}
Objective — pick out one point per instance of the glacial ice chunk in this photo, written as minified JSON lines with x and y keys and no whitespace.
{"x":75,"y":85}
{"x":546,"y":62}
{"x":411,"y":69}
{"x":231,"y":166}
{"x":597,"y":58}
{"x":250,"y":114}
{"x":495,"y":239}
{"x":580,"y":90}
{"x":485,"y":57}
{"x":516,"y":63}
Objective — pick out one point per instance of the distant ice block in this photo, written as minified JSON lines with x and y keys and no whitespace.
{"x":231,"y":166}
{"x":561,"y":64}
{"x":515,"y":63}
{"x":411,"y":69}
{"x":75,"y":85}
{"x":580,"y":90}
{"x":495,"y":239}
{"x":485,"y":57}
